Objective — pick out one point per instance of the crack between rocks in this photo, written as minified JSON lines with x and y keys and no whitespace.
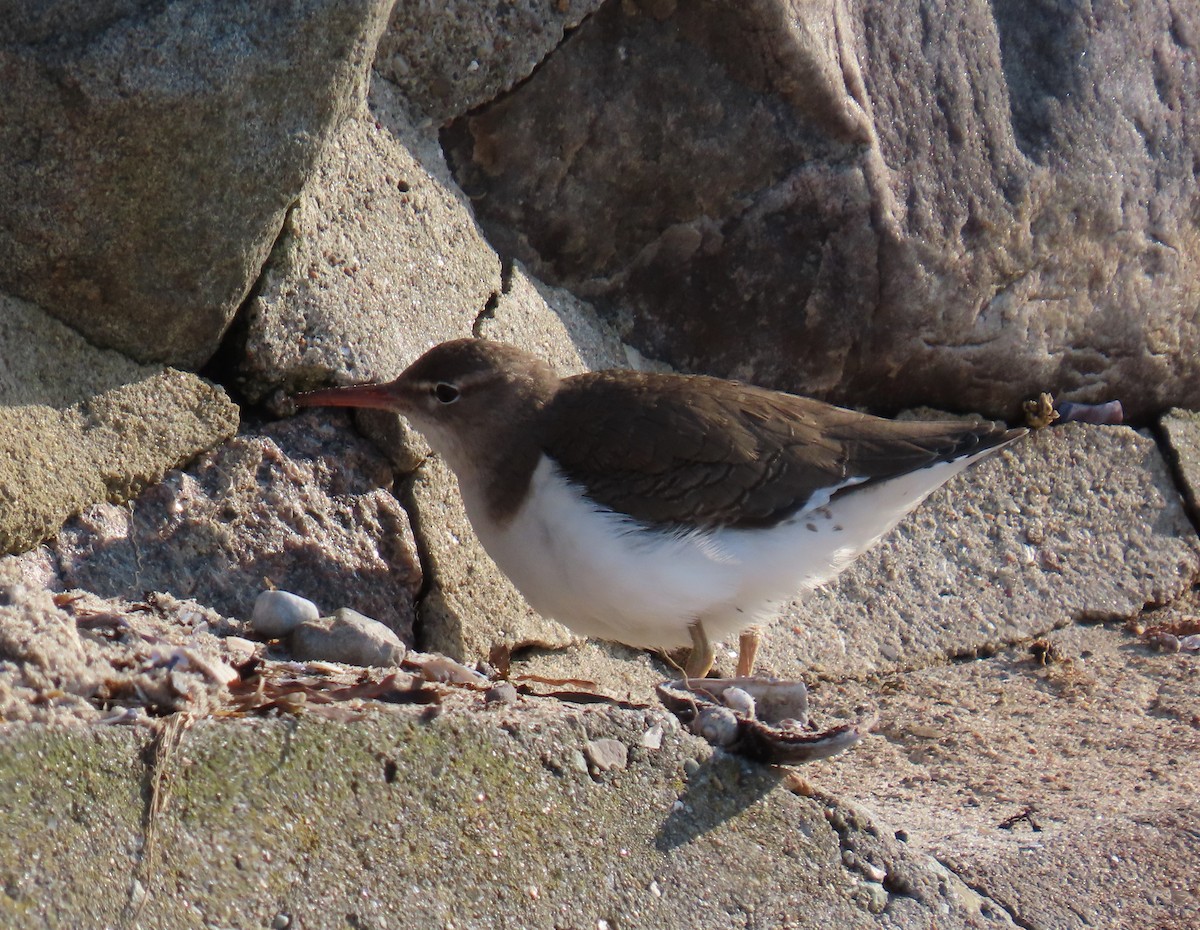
{"x":222,"y":367}
{"x":568,"y":33}
{"x":425,"y":559}
{"x":493,"y":302}
{"x":1191,"y":506}
{"x":487,"y":313}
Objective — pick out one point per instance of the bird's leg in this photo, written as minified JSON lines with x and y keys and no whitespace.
{"x":748,"y":651}
{"x":702,"y":656}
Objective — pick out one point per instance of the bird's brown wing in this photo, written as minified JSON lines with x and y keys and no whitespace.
{"x":697,"y":451}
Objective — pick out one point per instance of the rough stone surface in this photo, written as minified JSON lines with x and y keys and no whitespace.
{"x":303,"y":504}
{"x":347,"y":637}
{"x":152,"y":151}
{"x":378,"y":261}
{"x":878,"y":205}
{"x":80,"y":425}
{"x":1071,"y":523}
{"x":448,"y":58}
{"x":1181,"y":429}
{"x":553,"y":324}
{"x":506,"y":834}
{"x":1097,"y":746}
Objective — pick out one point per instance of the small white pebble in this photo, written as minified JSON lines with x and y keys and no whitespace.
{"x":277,"y":613}
{"x":652,"y":738}
{"x":739,"y":701}
{"x":717,"y":725}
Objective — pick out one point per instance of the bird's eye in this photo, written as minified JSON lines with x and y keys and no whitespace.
{"x":445,"y":392}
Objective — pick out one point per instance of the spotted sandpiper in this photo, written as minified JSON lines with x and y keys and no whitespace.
{"x":662,"y":510}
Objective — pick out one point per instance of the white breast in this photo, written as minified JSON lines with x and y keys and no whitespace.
{"x":605,"y":575}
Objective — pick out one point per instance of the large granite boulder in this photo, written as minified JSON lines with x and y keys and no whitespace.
{"x":885,"y":203}
{"x":152,"y":151}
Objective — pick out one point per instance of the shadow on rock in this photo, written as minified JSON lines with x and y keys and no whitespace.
{"x":721,"y":789}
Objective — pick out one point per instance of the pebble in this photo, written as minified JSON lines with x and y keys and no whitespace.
{"x":717,"y":725}
{"x":739,"y":701}
{"x":652,"y":738}
{"x":606,"y":754}
{"x":576,"y":761}
{"x":875,"y":897}
{"x":436,"y":667}
{"x":347,"y":637}
{"x":277,"y":613}
{"x":502,"y":692}
{"x":239,"y":650}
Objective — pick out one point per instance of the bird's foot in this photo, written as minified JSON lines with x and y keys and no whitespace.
{"x":702,"y":657}
{"x":748,"y":651}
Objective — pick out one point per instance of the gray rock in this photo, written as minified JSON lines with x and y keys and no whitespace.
{"x":537,"y":837}
{"x":277,"y":613}
{"x":502,"y":692}
{"x":1069,"y":523}
{"x":364,"y":294}
{"x":606,"y":755}
{"x":358,"y":301}
{"x":153,"y":150}
{"x":1074,"y":769}
{"x":80,"y":425}
{"x":347,"y":637}
{"x":450,"y":57}
{"x":304,"y":503}
{"x":856,"y":204}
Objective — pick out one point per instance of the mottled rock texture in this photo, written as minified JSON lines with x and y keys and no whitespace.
{"x":79,"y":425}
{"x":476,"y":819}
{"x":450,"y":57}
{"x":378,"y":261}
{"x":152,"y":151}
{"x":889,"y":203}
{"x":304,"y":505}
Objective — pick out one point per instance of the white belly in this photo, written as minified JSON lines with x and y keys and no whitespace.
{"x":605,"y":575}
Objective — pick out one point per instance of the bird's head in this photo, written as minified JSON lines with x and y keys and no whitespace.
{"x":463,"y":396}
